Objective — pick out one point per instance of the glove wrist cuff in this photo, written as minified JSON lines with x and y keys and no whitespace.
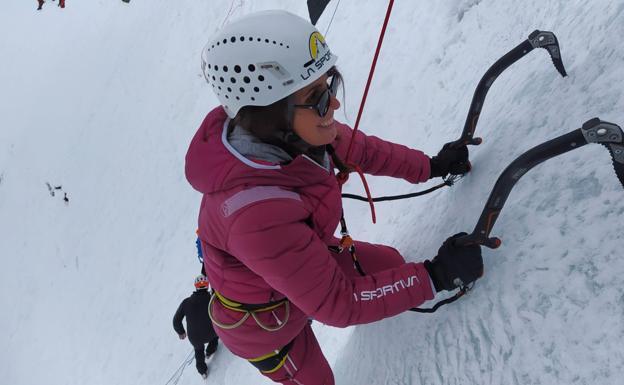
{"x":430,"y":269}
{"x":435,"y":168}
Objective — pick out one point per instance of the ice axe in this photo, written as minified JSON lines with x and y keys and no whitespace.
{"x":537,"y":39}
{"x":593,"y":131}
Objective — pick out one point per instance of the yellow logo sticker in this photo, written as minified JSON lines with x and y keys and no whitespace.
{"x":315,"y":39}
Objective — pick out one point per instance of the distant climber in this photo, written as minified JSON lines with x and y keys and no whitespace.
{"x":51,"y":188}
{"x":198,"y":323}
{"x":40,"y":4}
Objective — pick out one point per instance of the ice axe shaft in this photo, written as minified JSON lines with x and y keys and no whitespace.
{"x":593,"y":131}
{"x":537,"y":39}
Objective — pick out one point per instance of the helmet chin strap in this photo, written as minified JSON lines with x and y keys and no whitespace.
{"x":290,"y":138}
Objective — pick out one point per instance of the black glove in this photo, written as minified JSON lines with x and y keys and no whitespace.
{"x":452,"y":262}
{"x":450,"y":160}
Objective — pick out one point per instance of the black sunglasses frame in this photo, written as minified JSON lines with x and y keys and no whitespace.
{"x":322,"y":104}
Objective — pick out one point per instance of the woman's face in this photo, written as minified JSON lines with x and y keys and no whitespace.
{"x":307,"y":123}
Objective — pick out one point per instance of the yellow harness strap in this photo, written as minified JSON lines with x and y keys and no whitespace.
{"x":248,"y":310}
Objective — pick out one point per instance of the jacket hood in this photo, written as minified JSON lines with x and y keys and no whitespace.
{"x":215,"y":162}
{"x":251,"y":147}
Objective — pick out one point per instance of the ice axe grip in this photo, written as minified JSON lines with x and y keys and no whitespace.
{"x":592,"y":131}
{"x":537,"y":39}
{"x":475,"y":239}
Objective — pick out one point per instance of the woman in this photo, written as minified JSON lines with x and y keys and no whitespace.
{"x":271,"y":202}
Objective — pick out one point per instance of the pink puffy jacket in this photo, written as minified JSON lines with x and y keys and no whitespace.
{"x":265,"y":230}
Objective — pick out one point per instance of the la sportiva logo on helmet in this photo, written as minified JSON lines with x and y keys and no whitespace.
{"x":319,"y":54}
{"x":315,"y":39}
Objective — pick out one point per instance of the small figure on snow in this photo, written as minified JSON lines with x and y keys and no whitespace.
{"x":52,"y":189}
{"x":61,"y":3}
{"x":40,"y":4}
{"x":198,"y":323}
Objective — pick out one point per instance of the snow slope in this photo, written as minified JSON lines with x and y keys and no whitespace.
{"x":102,"y":98}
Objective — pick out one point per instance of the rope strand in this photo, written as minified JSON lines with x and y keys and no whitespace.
{"x":175,"y":378}
{"x":332,"y":19}
{"x":449,"y":181}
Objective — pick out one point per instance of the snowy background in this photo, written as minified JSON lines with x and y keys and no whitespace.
{"x":103,"y":97}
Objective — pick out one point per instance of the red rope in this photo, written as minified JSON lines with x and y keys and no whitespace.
{"x":342,"y":177}
{"x":368,"y":194}
{"x":370,"y":78}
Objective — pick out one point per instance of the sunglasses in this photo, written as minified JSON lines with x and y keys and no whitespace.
{"x":322,"y":104}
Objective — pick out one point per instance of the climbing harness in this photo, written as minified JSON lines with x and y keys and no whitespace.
{"x":267,"y":363}
{"x":272,"y":362}
{"x":249,"y":310}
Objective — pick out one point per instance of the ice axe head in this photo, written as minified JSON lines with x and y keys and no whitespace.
{"x":612,"y":137}
{"x":548,"y":41}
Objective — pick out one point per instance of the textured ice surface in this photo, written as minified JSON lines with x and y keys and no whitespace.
{"x":103,"y":98}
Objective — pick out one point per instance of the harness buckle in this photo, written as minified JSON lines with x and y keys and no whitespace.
{"x":346,"y":242}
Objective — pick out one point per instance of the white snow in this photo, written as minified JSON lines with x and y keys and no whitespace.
{"x":102,"y":98}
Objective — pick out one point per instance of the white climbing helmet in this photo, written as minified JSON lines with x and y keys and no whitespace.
{"x":264,"y":57}
{"x":201,"y":282}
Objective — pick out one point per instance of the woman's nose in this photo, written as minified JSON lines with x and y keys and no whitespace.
{"x":334,"y":103}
